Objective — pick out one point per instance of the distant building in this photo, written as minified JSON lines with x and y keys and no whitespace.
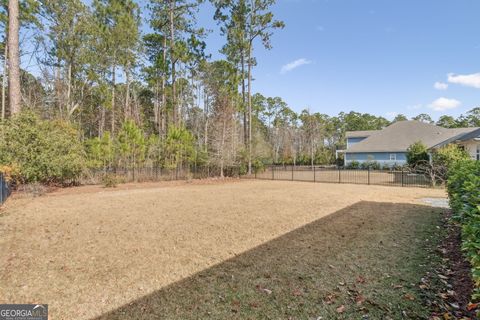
{"x":388,"y":146}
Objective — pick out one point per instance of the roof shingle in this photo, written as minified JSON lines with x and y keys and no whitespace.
{"x":400,"y":135}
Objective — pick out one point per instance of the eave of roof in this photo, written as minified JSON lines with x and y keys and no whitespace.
{"x":378,"y":151}
{"x":464,"y":136}
{"x":360,"y":133}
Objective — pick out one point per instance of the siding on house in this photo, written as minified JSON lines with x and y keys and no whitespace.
{"x":383,"y":158}
{"x":472,"y":147}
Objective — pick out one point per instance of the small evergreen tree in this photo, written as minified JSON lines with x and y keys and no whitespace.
{"x":417,"y":153}
{"x":131,"y":145}
{"x":100,"y":151}
{"x":178,"y":148}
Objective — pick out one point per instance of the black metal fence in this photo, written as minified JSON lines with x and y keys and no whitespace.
{"x":153,"y":173}
{"x":401,"y":178}
{"x":4,"y":189}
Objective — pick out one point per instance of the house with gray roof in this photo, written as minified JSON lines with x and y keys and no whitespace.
{"x":389,"y":146}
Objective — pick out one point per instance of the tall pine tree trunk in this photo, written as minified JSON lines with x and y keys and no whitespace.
{"x":58,"y":88}
{"x":101,"y":124}
{"x":128,"y":112}
{"x":69,"y":91}
{"x":172,"y":58}
{"x":205,"y":112}
{"x":14,"y":94}
{"x":113,"y":101}
{"x":250,"y":107}
{"x":4,"y":81}
{"x":158,"y":116}
{"x":245,"y":125}
{"x":164,"y":97}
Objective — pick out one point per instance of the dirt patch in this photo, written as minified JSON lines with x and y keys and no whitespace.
{"x":89,"y":250}
{"x":455,"y":274}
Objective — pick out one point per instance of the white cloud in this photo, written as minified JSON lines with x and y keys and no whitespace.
{"x":468,"y":80}
{"x":440,"y":86}
{"x":294,"y":64}
{"x":442,"y":104}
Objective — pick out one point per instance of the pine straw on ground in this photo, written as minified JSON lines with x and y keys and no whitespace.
{"x":252,"y":249}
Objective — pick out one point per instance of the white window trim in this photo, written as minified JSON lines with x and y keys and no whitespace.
{"x":393,"y":157}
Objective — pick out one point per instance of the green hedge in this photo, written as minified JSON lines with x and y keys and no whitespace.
{"x":46,"y":151}
{"x":464,"y":192}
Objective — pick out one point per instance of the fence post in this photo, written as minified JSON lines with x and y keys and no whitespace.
{"x":314,"y":178}
{"x":273,"y":172}
{"x":292,"y":173}
{"x":369,"y":175}
{"x":402,"y":176}
{"x":1,"y":188}
{"x":339,"y":176}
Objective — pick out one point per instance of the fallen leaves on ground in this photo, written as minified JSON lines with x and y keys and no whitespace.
{"x":408,"y":296}
{"x":359,"y":299}
{"x":341,"y":309}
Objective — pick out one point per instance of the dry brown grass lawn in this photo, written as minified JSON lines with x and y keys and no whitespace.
{"x":90,"y":250}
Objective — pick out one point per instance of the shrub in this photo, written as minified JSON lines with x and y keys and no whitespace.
{"x":109,"y":180}
{"x":374,"y":165}
{"x":397,"y":167}
{"x":258,"y":166}
{"x":353,"y":165}
{"x":417,"y":153}
{"x":464,"y":192}
{"x":42,"y":150}
{"x":442,"y":160}
{"x":10,"y":173}
{"x":448,"y":155}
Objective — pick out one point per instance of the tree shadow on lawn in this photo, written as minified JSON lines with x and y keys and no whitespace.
{"x":366,"y":259}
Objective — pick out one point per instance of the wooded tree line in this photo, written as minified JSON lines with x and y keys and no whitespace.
{"x":158,"y":97}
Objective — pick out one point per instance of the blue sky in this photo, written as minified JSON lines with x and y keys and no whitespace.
{"x":377,"y":56}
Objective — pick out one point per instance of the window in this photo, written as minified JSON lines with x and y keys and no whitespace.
{"x":478,"y":153}
{"x":393,"y":157}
